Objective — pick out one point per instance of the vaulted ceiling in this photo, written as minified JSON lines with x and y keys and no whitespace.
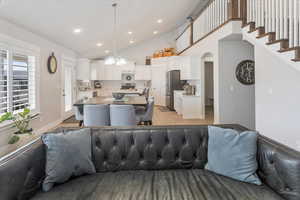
{"x":56,"y":20}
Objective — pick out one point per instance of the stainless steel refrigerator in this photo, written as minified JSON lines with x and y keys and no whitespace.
{"x":173,"y":83}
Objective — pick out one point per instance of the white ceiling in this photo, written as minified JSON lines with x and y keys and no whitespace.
{"x":56,"y":19}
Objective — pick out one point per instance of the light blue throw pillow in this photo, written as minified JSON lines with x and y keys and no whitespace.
{"x":233,"y":154}
{"x":67,"y":155}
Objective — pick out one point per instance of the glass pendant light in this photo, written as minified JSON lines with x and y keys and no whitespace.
{"x":115,"y":59}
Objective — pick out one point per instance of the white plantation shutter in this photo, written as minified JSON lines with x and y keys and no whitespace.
{"x":17,"y":81}
{"x":3,"y":81}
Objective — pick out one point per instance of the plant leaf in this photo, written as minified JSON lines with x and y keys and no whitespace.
{"x":14,"y":139}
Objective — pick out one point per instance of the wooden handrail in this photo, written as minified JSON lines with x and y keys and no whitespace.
{"x":216,"y":14}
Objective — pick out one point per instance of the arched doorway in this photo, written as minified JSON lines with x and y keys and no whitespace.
{"x":208,"y":89}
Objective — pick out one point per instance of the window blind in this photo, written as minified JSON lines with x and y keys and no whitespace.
{"x":17,"y":82}
{"x":3,"y":81}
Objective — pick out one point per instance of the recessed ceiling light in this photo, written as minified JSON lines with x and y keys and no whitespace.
{"x":159,"y":21}
{"x":131,"y":41}
{"x":130,"y":32}
{"x":106,"y":51}
{"x":99,"y":44}
{"x":155,"y":32}
{"x":77,"y":30}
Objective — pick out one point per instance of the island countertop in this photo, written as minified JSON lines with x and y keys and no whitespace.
{"x":127,"y":100}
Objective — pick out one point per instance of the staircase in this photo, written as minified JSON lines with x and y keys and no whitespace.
{"x":276,"y":21}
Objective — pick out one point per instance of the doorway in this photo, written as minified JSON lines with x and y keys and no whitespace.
{"x":68,"y":91}
{"x":209,"y":89}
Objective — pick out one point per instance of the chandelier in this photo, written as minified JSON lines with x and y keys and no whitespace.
{"x":115,"y":59}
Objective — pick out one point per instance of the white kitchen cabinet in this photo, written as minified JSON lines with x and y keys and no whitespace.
{"x":190,"y":107}
{"x":160,"y":61}
{"x":97,"y":70}
{"x":83,"y":69}
{"x":128,"y":67}
{"x":158,"y":84}
{"x":111,"y":73}
{"x":190,"y":68}
{"x":174,"y":63}
{"x":142,"y":73}
{"x":178,"y":101}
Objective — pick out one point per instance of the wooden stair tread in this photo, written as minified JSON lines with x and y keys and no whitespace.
{"x":296,"y":60}
{"x":265,"y":35}
{"x":288,"y":49}
{"x":277,"y":41}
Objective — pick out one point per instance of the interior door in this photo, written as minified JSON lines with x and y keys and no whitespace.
{"x":159,"y":85}
{"x":68,"y":87}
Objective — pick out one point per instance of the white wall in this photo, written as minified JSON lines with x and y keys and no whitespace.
{"x":209,"y":82}
{"x":139,"y":51}
{"x":277,"y":98}
{"x":210,"y":46}
{"x":50,"y":84}
{"x":237,"y":101}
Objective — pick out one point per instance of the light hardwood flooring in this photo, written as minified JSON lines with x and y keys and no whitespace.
{"x":169,"y":118}
{"x":159,"y":118}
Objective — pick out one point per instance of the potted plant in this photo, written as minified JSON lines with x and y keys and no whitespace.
{"x":21,"y":121}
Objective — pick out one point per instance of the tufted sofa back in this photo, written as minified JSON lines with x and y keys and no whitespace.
{"x":279,"y":168}
{"x":149,"y":148}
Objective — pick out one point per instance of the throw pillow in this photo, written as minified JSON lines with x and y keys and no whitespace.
{"x":67,"y":155}
{"x":233,"y":154}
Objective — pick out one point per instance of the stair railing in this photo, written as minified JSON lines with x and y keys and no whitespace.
{"x":216,"y":14}
{"x":278,"y":17}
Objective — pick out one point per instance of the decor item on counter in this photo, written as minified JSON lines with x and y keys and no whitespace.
{"x":20,"y":121}
{"x":52,"y":64}
{"x":148,"y":60}
{"x":115,"y":59}
{"x":189,"y":89}
{"x":118,"y":96}
{"x":68,"y":154}
{"x":237,"y":158}
{"x":97,"y":85}
{"x":245,"y":72}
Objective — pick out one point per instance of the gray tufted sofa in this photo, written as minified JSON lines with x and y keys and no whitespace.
{"x":153,"y":163}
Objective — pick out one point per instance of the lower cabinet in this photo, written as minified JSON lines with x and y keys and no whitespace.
{"x":190,"y":107}
{"x":158,"y":84}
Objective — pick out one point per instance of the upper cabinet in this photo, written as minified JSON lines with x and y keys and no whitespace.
{"x":190,"y":68}
{"x":128,"y":67}
{"x":83,"y":69}
{"x":174,"y":63}
{"x":97,"y":72}
{"x":142,"y":73}
{"x":111,"y":73}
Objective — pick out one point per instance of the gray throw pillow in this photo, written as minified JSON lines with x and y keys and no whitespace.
{"x":67,"y":155}
{"x":233,"y":154}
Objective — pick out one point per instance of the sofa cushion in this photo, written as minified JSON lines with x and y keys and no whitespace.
{"x":233,"y":154}
{"x":67,"y":154}
{"x":194,"y":184}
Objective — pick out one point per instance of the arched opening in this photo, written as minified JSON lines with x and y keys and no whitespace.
{"x":208,"y":89}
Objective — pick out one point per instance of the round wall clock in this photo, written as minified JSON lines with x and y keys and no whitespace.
{"x":245,"y":72}
{"x":52,"y":64}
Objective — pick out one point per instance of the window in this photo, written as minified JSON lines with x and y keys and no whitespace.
{"x":17,"y":81}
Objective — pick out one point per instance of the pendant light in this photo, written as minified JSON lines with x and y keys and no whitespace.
{"x":115,"y":59}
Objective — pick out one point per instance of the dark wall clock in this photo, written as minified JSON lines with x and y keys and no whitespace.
{"x":52,"y":64}
{"x":245,"y":72}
